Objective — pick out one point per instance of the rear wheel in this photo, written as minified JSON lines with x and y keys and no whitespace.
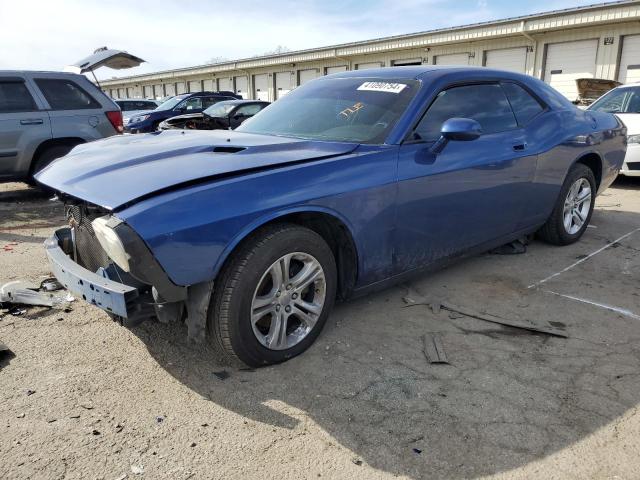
{"x":49,"y":155}
{"x":274,"y":296}
{"x":573,"y":209}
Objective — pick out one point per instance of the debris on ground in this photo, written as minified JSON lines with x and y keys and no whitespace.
{"x":137,"y":470}
{"x":222,"y":374}
{"x":357,"y":461}
{"x":516,"y":247}
{"x":487,"y":317}
{"x":19,"y":292}
{"x":50,"y":285}
{"x":434,"y":350}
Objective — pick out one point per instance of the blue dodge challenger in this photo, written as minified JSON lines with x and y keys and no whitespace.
{"x":350,"y":183}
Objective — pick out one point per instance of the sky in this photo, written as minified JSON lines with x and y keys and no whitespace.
{"x":50,"y":34}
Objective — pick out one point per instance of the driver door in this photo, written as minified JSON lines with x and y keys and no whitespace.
{"x":469,"y":194}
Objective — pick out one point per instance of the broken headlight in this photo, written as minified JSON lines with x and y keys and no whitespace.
{"x":110,"y":242}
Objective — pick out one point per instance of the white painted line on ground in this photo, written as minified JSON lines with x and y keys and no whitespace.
{"x":621,"y":311}
{"x":582,"y":260}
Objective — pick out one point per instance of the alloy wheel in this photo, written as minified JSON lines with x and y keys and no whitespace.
{"x":288,"y":301}
{"x":577,"y":206}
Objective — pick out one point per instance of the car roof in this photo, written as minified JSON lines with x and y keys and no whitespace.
{"x":239,"y":102}
{"x":628,"y":85}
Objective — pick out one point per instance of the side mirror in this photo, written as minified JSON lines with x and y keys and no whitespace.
{"x":457,"y":129}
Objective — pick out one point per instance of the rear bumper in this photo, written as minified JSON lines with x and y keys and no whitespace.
{"x":114,"y":297}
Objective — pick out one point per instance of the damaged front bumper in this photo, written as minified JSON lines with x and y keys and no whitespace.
{"x":116,"y":298}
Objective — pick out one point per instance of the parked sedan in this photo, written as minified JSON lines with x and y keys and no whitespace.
{"x":174,"y":106}
{"x":624,"y":101}
{"x":131,"y":107}
{"x":225,"y":115}
{"x":350,"y":183}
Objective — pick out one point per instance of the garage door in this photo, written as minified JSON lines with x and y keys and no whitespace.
{"x":284,"y":83}
{"x":261,"y":87}
{"x":195,"y":86}
{"x":305,"y":75}
{"x":365,"y":66}
{"x":569,"y":61}
{"x":406,"y":62}
{"x":453,"y":59}
{"x":225,"y":85}
{"x":209,"y":85}
{"x":130,"y":92}
{"x":147,"y":91}
{"x":242,"y":86}
{"x":181,"y":87}
{"x":630,"y":60}
{"x":330,"y":70}
{"x":511,"y":59}
{"x":170,"y":89}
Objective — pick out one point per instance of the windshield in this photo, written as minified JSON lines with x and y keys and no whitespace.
{"x":172,"y":102}
{"x":620,"y":100}
{"x":221,"y":109}
{"x":362,"y":110}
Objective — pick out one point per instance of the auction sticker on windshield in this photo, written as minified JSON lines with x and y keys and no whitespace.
{"x":382,"y":87}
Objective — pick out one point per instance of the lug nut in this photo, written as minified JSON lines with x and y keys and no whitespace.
{"x":287,"y":309}
{"x":277,"y":308}
{"x":278,"y":293}
{"x":289,"y":287}
{"x":294,"y":296}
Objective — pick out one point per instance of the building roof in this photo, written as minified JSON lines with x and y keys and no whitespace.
{"x":615,"y":11}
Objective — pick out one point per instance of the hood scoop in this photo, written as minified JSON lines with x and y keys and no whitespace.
{"x":228,"y":149}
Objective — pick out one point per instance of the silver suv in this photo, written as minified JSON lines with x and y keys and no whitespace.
{"x":43,"y":115}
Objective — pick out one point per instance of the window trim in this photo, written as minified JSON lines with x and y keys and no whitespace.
{"x":465,"y":83}
{"x":542,"y":103}
{"x":51,"y":109}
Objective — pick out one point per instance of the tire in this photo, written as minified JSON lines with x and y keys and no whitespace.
{"x":249,"y":279}
{"x":556,"y":231}
{"x":49,"y":155}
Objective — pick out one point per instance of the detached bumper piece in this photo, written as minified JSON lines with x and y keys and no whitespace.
{"x":125,"y":302}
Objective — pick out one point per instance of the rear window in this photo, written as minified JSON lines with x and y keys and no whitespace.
{"x":524,"y":105}
{"x":65,"y":94}
{"x":14,"y":97}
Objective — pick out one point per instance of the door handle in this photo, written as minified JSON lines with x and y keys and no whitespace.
{"x":520,"y":147}
{"x":32,"y":121}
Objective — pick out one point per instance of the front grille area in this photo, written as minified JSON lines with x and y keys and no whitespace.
{"x":89,"y":253}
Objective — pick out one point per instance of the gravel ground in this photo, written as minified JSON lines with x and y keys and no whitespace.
{"x":84,"y":398}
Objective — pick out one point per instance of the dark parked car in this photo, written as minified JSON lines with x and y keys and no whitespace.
{"x":350,"y":183}
{"x":225,"y":115}
{"x":178,"y":105}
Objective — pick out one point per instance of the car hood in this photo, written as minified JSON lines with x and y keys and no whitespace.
{"x":631,"y":121}
{"x":185,"y":117}
{"x":119,"y":170}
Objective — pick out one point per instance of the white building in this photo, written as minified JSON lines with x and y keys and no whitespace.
{"x":597,"y":41}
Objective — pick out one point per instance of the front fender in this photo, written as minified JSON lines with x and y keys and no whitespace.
{"x":274,"y":216}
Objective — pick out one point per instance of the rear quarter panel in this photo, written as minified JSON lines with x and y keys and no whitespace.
{"x":191,"y":231}
{"x":564,"y":138}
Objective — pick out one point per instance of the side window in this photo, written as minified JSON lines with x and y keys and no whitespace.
{"x":248,"y":110}
{"x":65,"y":95}
{"x":486,"y":104}
{"x":524,"y":105}
{"x":192,"y":103}
{"x":14,"y":97}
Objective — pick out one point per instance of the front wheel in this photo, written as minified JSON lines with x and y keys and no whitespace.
{"x":274,"y":296}
{"x":573,"y":209}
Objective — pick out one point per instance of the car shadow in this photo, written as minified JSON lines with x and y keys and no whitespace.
{"x":506,"y":399}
